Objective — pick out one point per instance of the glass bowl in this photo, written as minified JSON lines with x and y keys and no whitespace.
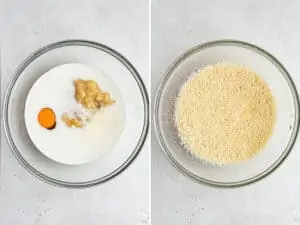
{"x":98,"y":57}
{"x":285,"y":130}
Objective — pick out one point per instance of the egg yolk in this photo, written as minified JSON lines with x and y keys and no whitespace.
{"x":46,"y":118}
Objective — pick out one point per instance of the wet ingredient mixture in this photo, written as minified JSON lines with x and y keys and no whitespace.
{"x":225,"y":113}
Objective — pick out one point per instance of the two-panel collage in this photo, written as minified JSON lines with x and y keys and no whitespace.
{"x":149,"y":112}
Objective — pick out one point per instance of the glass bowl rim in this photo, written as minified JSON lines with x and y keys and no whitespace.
{"x":168,"y":74}
{"x":85,"y":43}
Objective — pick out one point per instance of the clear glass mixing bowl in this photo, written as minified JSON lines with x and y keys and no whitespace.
{"x":287,"y":106}
{"x":98,"y":57}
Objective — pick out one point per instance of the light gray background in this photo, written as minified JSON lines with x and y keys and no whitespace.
{"x":28,"y":25}
{"x":181,"y":24}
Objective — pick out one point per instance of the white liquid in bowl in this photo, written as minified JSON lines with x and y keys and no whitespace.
{"x":73,"y":146}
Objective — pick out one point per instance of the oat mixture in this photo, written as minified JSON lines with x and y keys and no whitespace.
{"x":225,"y":113}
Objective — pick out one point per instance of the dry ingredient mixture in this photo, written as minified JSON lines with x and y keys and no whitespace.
{"x":91,"y":97}
{"x":225,"y":113}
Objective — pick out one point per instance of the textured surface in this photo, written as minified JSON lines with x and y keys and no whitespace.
{"x":225,"y":113}
{"x":28,"y":25}
{"x":176,"y":27}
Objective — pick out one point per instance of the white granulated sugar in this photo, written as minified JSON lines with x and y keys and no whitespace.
{"x":225,"y":113}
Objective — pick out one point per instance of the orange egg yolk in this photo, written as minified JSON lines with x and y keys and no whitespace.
{"x":46,"y":118}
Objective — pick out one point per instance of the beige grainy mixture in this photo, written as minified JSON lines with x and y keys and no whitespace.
{"x":225,"y":113}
